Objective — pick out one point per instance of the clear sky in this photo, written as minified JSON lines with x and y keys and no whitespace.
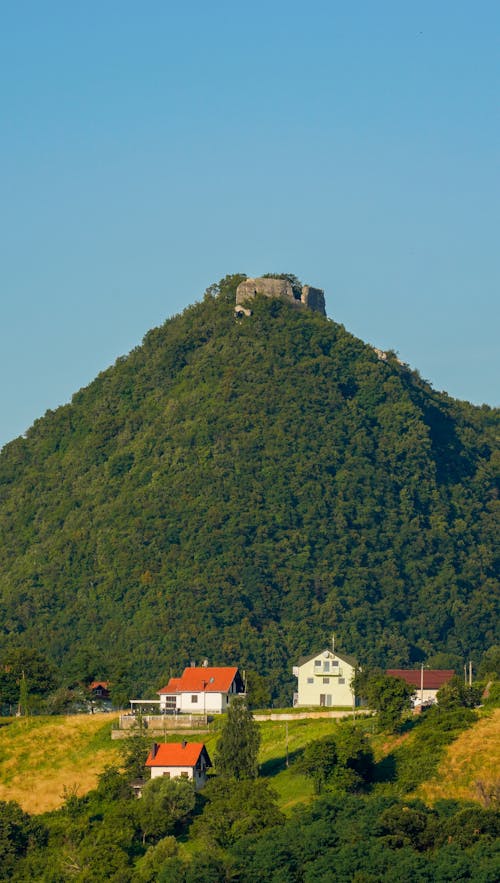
{"x":147,"y":149}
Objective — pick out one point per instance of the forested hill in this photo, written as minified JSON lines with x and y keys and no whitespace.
{"x":239,"y":490}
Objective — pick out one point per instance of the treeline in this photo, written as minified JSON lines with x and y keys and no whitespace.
{"x":238,"y":490}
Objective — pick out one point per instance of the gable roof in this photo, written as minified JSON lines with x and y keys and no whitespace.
{"x":178,"y":754}
{"x":95,"y":684}
{"x":171,"y":687}
{"x":433,"y":678}
{"x":202,"y":679}
{"x":351,"y":660}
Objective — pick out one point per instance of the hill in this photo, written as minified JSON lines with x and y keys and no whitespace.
{"x":238,"y":490}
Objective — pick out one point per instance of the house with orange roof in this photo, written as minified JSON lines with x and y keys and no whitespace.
{"x":183,"y":760}
{"x":201,"y":690}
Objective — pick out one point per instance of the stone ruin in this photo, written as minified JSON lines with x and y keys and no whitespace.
{"x":309,"y":298}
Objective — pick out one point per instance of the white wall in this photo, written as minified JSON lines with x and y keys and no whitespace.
{"x":325,"y":675}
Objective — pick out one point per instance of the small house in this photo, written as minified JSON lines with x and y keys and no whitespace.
{"x":99,"y":690}
{"x":184,"y":760}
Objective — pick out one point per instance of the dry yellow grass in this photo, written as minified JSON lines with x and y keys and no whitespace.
{"x":40,"y":758}
{"x":474,"y":756}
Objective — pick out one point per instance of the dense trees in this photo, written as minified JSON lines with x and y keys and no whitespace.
{"x":236,"y":490}
{"x":387,"y":695}
{"x":342,"y":761}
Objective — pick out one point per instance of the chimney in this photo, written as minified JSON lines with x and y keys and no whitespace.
{"x":205,"y":663}
{"x":193,"y":664}
{"x":184,"y":743}
{"x":154,"y":750}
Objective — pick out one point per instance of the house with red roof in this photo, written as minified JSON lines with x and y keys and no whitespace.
{"x":426,"y":681}
{"x":183,"y":760}
{"x":201,"y":690}
{"x":99,"y":689}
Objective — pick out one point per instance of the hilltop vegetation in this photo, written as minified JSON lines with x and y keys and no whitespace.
{"x":239,"y":490}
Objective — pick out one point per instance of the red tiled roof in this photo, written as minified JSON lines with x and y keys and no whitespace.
{"x":201,"y":679}
{"x":95,"y":684}
{"x":433,"y":678}
{"x":176,"y":754}
{"x":171,"y":686}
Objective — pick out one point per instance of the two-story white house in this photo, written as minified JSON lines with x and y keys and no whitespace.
{"x":325,"y":680}
{"x":201,"y":690}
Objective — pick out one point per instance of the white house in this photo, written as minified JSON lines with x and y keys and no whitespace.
{"x":184,"y":760}
{"x":325,"y":679}
{"x":202,"y":690}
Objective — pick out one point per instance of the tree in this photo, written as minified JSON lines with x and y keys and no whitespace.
{"x":456,"y":694}
{"x":17,"y":831}
{"x":237,"y":809}
{"x":23,"y":696}
{"x":238,"y":745}
{"x":318,"y":762}
{"x":343,"y":761}
{"x":135,"y":750}
{"x":164,"y":802}
{"x":258,"y":692}
{"x":355,"y":761}
{"x":387,"y":695}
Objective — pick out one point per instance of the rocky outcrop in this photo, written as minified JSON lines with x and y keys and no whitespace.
{"x":309,"y":298}
{"x":313,"y":299}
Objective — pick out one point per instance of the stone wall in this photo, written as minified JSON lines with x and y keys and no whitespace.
{"x":311,"y":298}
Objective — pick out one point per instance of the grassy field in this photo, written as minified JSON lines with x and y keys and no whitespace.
{"x":40,"y":757}
{"x":473,"y":757}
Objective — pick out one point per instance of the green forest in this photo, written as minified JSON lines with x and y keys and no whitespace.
{"x":238,"y":490}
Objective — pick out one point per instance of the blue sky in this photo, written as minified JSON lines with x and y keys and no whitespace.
{"x":149,"y":149}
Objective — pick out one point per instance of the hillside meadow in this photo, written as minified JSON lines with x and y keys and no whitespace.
{"x":44,"y":759}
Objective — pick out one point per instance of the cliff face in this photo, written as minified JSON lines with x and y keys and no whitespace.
{"x":310,"y":298}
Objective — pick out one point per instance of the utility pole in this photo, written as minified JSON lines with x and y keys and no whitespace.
{"x":286,"y":743}
{"x":422,"y":685}
{"x":470,"y":672}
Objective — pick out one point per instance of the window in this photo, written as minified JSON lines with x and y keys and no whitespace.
{"x":184,"y":775}
{"x":341,"y":680}
{"x":310,"y":680}
{"x":326,"y":666}
{"x":317,"y":662}
{"x":194,"y":699}
{"x":167,"y":775}
{"x":326,"y":680}
{"x":335,"y":663}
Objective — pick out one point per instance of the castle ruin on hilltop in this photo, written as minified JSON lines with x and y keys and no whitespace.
{"x":308,"y":298}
